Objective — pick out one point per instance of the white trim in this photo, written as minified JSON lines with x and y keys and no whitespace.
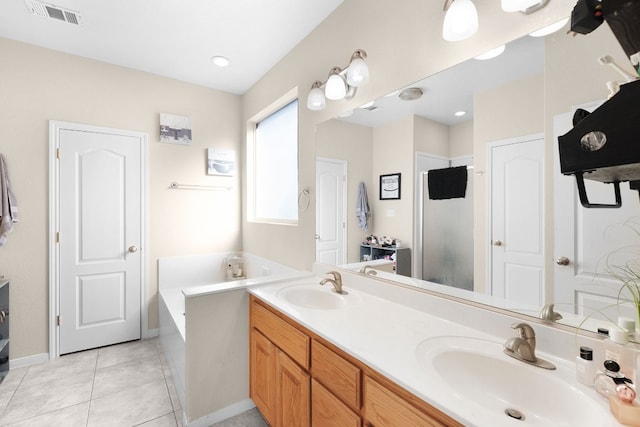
{"x":21,"y":362}
{"x":221,"y":414}
{"x":488,"y":289}
{"x":54,"y":222}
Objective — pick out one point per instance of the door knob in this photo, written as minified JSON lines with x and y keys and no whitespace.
{"x":496,"y":242}
{"x":563,"y":260}
{"x":133,"y":249}
{"x":317,"y":237}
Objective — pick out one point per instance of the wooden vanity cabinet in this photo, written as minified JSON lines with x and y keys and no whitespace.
{"x":298,"y":379}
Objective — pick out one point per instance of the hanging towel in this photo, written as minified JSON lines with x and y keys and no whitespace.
{"x":447,"y":183}
{"x":8,"y":204}
{"x":362,"y":207}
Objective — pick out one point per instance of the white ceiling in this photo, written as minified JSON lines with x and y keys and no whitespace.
{"x":175,"y":38}
{"x":452,"y":90}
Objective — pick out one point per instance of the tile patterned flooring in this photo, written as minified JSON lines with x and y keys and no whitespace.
{"x":122,"y":385}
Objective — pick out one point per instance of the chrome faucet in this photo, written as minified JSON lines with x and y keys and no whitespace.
{"x":336,"y":281}
{"x":367,"y":269}
{"x":523,"y":347}
{"x":547,"y":313}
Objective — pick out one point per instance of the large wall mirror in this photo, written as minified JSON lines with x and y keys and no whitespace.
{"x":519,"y":239}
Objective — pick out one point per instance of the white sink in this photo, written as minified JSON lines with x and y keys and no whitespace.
{"x":316,"y":297}
{"x":485,"y":384}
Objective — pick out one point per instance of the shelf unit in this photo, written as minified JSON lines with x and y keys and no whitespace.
{"x":403,"y":256}
{"x":4,"y":329}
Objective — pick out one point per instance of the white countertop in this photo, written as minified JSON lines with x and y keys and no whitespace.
{"x":384,"y":333}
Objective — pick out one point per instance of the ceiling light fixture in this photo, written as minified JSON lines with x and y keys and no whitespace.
{"x":524,"y":6}
{"x":490,"y":54}
{"x":460,"y":113}
{"x":221,"y":61}
{"x":460,"y":20}
{"x":410,"y":94}
{"x":342,"y":83}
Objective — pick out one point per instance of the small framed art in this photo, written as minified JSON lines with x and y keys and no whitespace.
{"x":390,"y":186}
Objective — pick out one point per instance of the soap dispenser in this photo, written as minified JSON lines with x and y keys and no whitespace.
{"x":585,"y":367}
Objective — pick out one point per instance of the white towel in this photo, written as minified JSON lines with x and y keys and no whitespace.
{"x":8,"y":204}
{"x":362,"y":207}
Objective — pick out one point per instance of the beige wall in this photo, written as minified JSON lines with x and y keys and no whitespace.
{"x":346,"y":141}
{"x":513,"y":110}
{"x":431,"y":137}
{"x":461,"y":140}
{"x":38,"y":85}
{"x":404,"y":44}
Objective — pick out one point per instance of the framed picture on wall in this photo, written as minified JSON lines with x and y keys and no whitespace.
{"x":175,"y":129}
{"x":390,"y":186}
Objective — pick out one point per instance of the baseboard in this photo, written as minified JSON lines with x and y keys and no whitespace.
{"x":29,"y":360}
{"x":222,"y":414}
{"x":151,"y":333}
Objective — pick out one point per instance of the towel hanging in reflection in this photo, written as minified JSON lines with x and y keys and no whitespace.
{"x":8,"y":204}
{"x":362,"y":207}
{"x":447,"y":183}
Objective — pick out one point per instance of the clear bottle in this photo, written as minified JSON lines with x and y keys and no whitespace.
{"x":585,"y":367}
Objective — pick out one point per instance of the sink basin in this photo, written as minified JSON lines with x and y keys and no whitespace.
{"x":491,"y":388}
{"x":316,"y":297}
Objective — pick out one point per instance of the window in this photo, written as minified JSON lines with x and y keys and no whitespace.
{"x":273,"y":167}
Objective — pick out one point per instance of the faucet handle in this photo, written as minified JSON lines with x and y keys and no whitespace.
{"x":526,"y":331}
{"x":335,"y":274}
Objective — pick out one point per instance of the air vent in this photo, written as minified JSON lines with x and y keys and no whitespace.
{"x":371,"y":108}
{"x":47,"y":10}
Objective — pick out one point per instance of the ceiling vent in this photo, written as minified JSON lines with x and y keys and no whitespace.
{"x":47,"y":10}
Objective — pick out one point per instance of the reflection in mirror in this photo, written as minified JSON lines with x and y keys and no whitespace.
{"x":515,"y":105}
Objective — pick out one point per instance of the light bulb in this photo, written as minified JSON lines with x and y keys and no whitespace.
{"x":336,"y":87}
{"x":316,"y":100}
{"x":357,"y":73}
{"x":460,"y":21}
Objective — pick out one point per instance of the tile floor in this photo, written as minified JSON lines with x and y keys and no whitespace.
{"x":123,"y":385}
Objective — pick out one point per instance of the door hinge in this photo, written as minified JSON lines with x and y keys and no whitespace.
{"x":58,"y":320}
{"x":57,"y":237}
{"x":58,"y":153}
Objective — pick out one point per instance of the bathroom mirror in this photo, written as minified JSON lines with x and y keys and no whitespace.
{"x":518,"y":102}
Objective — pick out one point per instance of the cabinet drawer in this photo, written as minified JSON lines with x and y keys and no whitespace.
{"x":285,"y":336}
{"x":384,"y":408}
{"x":338,"y":375}
{"x":328,"y":411}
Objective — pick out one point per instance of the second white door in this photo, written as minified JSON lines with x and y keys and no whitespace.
{"x":100,"y":236}
{"x":331,"y":176}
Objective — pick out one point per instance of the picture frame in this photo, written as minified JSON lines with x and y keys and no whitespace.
{"x":390,"y":185}
{"x":221,"y":162}
{"x":175,"y":129}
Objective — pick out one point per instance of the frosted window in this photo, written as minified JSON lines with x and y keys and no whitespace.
{"x":275,"y":166}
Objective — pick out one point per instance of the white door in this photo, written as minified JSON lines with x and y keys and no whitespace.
{"x":331,"y":179}
{"x":516,"y":246}
{"x":585,"y":238}
{"x":100,"y":236}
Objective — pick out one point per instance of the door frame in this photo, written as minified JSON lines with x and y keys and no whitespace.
{"x":489,"y":204}
{"x":55,"y":127}
{"x":343,"y":202}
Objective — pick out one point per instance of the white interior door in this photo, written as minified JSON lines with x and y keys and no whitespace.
{"x":331,"y":179}
{"x":516,"y":250}
{"x":584,"y":238}
{"x":100,"y":206}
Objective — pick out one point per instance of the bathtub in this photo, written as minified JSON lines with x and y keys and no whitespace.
{"x":204,"y":329}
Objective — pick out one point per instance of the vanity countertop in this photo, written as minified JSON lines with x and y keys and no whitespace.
{"x":385,"y":327}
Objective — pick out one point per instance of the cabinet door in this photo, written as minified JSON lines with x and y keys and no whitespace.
{"x":328,"y":411}
{"x":262,"y":375}
{"x":384,"y":408}
{"x":293,"y":396}
{"x":336,"y":374}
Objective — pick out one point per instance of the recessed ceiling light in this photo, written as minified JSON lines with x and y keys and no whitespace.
{"x":459,"y":113}
{"x":491,"y":53}
{"x":367,"y":105}
{"x":545,"y":31}
{"x":221,"y":61}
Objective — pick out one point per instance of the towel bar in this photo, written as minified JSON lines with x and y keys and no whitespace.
{"x":175,"y":186}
